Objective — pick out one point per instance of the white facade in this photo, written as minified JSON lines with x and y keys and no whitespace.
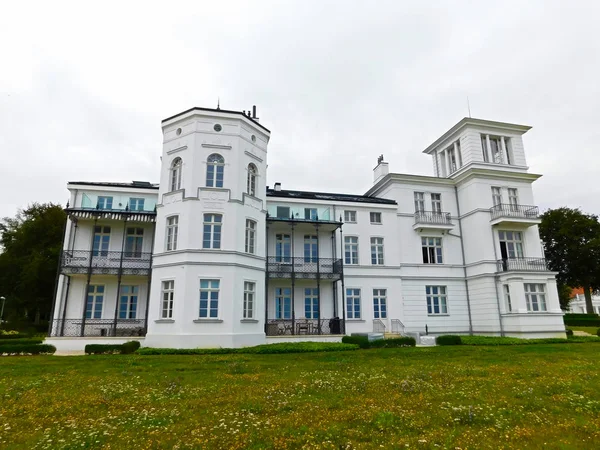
{"x":577,"y":304}
{"x":235,"y":263}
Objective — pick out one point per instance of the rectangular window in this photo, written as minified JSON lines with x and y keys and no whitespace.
{"x":353,"y":303}
{"x":105,"y":202}
{"x":311,"y":252}
{"x":167,"y":294}
{"x":379,"y":304}
{"x":513,"y":198}
{"x":172,"y":230}
{"x":128,"y":301}
{"x":497,"y":195}
{"x":209,"y":299}
{"x":310,"y":213}
{"x":249,"y":290}
{"x":95,"y":299}
{"x":136,"y":204}
{"x":506,"y":289}
{"x":133,"y":242}
{"x":436,"y":203}
{"x":432,"y":250}
{"x":484,"y":148}
{"x":496,"y":148}
{"x":437,"y":302}
{"x":283,"y":303}
{"x":211,"y":237}
{"x":419,"y":201}
{"x":350,"y":216}
{"x":250,"y":240}
{"x":283,"y":248}
{"x":511,"y":244}
{"x":311,"y":303}
{"x":535,"y":297}
{"x":101,"y":241}
{"x":351,"y":250}
{"x":283,"y":212}
{"x":376,"y":250}
{"x":375,"y":217}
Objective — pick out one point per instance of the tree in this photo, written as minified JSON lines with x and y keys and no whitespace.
{"x":31,"y":243}
{"x":572,"y":246}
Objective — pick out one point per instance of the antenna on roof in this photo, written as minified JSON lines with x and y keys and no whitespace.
{"x":469,"y":106}
{"x":218,"y":103}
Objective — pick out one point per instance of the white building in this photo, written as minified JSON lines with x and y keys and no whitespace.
{"x":213,"y":257}
{"x":577,"y":302}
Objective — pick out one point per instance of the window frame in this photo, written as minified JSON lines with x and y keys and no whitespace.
{"x":172,"y":231}
{"x":428,"y":250}
{"x":175,"y":174}
{"x":281,"y":305}
{"x":209,"y":290}
{"x":214,"y":229}
{"x":377,"y":251}
{"x":168,"y":288}
{"x":99,"y":290}
{"x":250,"y":237}
{"x":375,"y":217}
{"x":442,"y":300}
{"x":380,"y":303}
{"x":251,"y":179}
{"x":348,"y":254}
{"x":348,"y":214}
{"x":419,"y":199}
{"x":249,"y":299}
{"x":283,"y":248}
{"x":496,"y":195}
{"x":436,"y":204}
{"x":352,"y":301}
{"x":215,"y":166}
{"x":518,"y":244}
{"x":139,"y":201}
{"x":134,"y":242}
{"x":540,"y":297}
{"x":507,"y":298}
{"x":131,"y":305}
{"x":311,"y":303}
{"x":101,"y":246}
{"x":105,"y":202}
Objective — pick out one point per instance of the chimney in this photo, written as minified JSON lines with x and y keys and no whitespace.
{"x":381,"y":170}
{"x":278,"y":186}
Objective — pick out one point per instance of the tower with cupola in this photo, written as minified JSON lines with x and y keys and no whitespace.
{"x":208,"y":272}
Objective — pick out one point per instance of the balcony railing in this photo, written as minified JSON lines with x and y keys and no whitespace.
{"x":104,"y":262}
{"x":432,"y":218}
{"x":299,"y":214}
{"x":284,"y":267}
{"x":515,"y":211}
{"x":98,"y":327}
{"x":301,"y":327}
{"x":522,"y":264}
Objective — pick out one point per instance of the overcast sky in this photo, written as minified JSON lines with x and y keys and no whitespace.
{"x":83,"y":89}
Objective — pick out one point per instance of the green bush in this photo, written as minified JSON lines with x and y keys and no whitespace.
{"x":33,"y":349}
{"x":581,"y":320}
{"x":404,"y":341}
{"x":102,"y":349}
{"x":494,"y":340}
{"x":20,"y":340}
{"x":449,"y":339}
{"x":284,"y":347}
{"x":580,"y":316}
{"x":361,"y":341}
{"x":8,"y":332}
{"x":569,"y":332}
{"x":598,"y":332}
{"x":129,"y":347}
{"x":15,"y":335}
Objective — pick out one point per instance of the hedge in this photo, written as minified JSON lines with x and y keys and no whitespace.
{"x":448,"y":339}
{"x":404,"y":341}
{"x":569,"y":332}
{"x":14,"y":336}
{"x":495,"y":340}
{"x":130,"y":347}
{"x":361,"y":341}
{"x":20,"y":341}
{"x":580,"y":316}
{"x":284,"y":347}
{"x":33,"y":349}
{"x":102,"y":349}
{"x":598,"y":332}
{"x":582,"y":322}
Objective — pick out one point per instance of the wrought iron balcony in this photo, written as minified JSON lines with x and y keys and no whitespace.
{"x":301,"y":327}
{"x":104,"y":262}
{"x":284,"y":267}
{"x":432,"y":219}
{"x":511,"y":212}
{"x":97,"y":327}
{"x":522,"y":265}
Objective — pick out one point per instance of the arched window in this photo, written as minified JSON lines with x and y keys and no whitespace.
{"x":251,"y":183}
{"x":214,"y":170}
{"x":176,"y":166}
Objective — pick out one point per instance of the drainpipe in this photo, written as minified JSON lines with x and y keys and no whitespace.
{"x":462,"y":249}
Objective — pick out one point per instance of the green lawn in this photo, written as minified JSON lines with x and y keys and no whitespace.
{"x":591,"y":330}
{"x":444,"y":397}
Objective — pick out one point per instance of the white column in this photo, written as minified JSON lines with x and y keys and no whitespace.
{"x":489,"y":148}
{"x":448,"y":162}
{"x":443,"y":163}
{"x":552,"y":300}
{"x":504,"y":150}
{"x":458,"y":155}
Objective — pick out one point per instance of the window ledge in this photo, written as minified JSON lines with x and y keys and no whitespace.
{"x":164,"y":321}
{"x":356,"y":320}
{"x":249,"y":321}
{"x":438,"y":315}
{"x":208,"y":321}
{"x":376,"y":223}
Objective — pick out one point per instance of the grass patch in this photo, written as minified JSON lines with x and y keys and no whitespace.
{"x":284,"y":347}
{"x":591,"y":330}
{"x":494,"y":340}
{"x":519,"y":396}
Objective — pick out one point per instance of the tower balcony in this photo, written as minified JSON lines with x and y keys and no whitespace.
{"x":511,"y":214}
{"x":105,"y":263}
{"x":304,"y":268}
{"x":522,"y":265}
{"x":433,"y":220}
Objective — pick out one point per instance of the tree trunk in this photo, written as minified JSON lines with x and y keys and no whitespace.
{"x":589,"y":307}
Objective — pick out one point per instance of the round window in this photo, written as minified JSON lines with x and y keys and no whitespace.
{"x":253,"y":138}
{"x":178,"y":131}
{"x":217,"y":127}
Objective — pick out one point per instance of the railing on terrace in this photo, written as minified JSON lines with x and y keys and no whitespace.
{"x":433,"y":218}
{"x":97,"y":327}
{"x":515,"y":211}
{"x":105,"y":262}
{"x":299,"y":213}
{"x":397,"y":326}
{"x":522,"y":264}
{"x":378,"y":326}
{"x":283,"y":267}
{"x":301,"y":327}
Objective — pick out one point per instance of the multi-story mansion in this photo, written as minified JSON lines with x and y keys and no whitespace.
{"x":212,"y":256}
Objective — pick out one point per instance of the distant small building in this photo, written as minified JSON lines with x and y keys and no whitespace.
{"x":577,"y":303}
